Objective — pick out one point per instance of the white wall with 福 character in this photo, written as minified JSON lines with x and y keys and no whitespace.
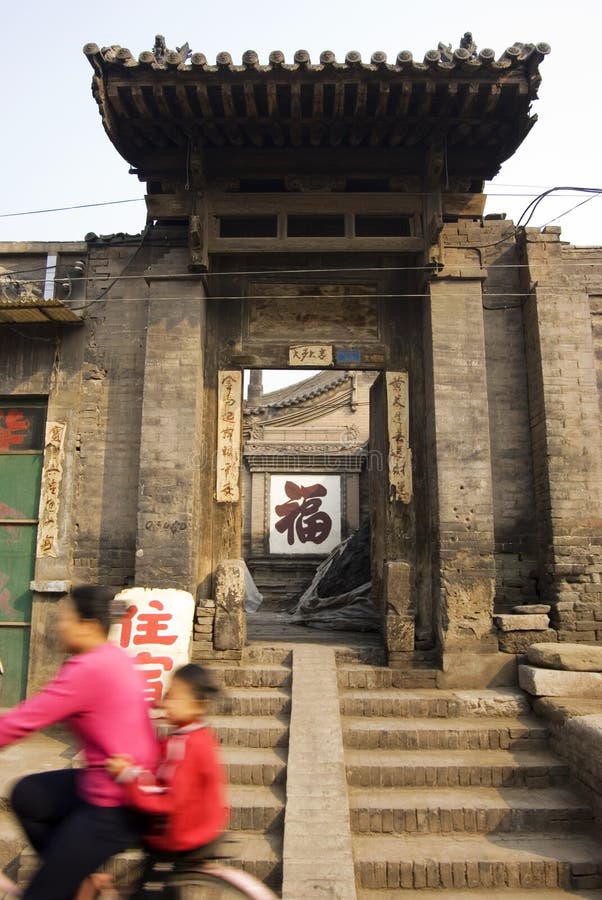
{"x":305,"y":513}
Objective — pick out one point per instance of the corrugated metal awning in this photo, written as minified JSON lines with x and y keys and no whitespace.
{"x":35,"y":309}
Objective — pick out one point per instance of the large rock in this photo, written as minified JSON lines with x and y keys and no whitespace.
{"x":553,"y":683}
{"x":569,"y":657}
{"x":508,"y":622}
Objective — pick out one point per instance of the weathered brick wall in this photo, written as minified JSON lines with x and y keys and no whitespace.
{"x":565,"y":422}
{"x":516,"y":562}
{"x":459,"y":452}
{"x":108,"y":420}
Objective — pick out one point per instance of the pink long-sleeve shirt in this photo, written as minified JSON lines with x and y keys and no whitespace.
{"x":99,"y":695}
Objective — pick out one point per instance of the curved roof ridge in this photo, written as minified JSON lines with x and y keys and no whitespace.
{"x":301,"y":391}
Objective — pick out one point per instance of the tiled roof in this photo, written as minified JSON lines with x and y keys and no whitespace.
{"x":163,"y":100}
{"x":301,"y":391}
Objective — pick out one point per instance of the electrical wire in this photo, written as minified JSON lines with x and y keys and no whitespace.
{"x":38,"y":212}
{"x":54,"y":209}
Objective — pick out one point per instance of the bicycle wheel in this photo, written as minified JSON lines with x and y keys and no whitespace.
{"x":220,"y":884}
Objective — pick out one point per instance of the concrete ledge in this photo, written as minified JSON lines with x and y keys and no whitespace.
{"x":50,"y":587}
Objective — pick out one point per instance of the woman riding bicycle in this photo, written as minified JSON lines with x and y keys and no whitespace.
{"x":77,"y":819}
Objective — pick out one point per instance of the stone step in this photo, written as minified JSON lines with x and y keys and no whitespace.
{"x":452,"y":768}
{"x":370,"y":656}
{"x":256,"y":807}
{"x":246,"y":766}
{"x":478,"y":861}
{"x":252,"y":702}
{"x":258,"y":653}
{"x":250,"y":731}
{"x":390,"y":701}
{"x":422,"y":675}
{"x":469,"y":733}
{"x":261,"y":855}
{"x":492,"y":894}
{"x":252,"y":676}
{"x":460,"y":810}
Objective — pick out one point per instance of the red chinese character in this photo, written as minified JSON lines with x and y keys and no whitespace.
{"x":149,"y":627}
{"x":303,"y":517}
{"x":158,"y":665}
{"x":13,"y":429}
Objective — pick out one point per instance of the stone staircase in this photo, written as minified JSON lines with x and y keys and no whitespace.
{"x":412,"y":791}
{"x":252,"y":723}
{"x":455,"y":793}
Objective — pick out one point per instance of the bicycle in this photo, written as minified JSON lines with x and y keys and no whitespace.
{"x":202,"y":879}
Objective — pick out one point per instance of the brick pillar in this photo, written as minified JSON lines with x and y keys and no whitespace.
{"x":459,"y":463}
{"x":168,"y":537}
{"x":565,"y":435}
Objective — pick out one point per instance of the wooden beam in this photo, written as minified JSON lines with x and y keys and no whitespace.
{"x":326,"y":245}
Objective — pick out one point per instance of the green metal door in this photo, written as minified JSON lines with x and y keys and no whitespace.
{"x":21,"y":460}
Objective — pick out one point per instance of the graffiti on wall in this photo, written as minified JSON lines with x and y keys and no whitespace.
{"x":305,"y":513}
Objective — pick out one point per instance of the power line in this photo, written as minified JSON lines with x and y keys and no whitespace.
{"x":37,"y":212}
{"x":175,"y":276}
{"x":54,"y":209}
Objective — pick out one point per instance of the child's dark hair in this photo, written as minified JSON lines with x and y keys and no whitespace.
{"x":199,"y":680}
{"x":93,"y":601}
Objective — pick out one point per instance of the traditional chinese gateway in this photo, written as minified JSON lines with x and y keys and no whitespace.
{"x":327,"y":214}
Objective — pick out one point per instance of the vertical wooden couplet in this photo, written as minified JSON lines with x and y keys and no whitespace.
{"x":229,"y":415}
{"x":398,"y":430}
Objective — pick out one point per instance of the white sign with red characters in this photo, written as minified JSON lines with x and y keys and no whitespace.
{"x":156,"y":630}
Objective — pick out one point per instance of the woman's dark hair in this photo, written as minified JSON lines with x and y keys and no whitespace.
{"x":92,"y":601}
{"x":198,"y":679}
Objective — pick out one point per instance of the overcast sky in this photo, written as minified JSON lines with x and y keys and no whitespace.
{"x":54,"y":151}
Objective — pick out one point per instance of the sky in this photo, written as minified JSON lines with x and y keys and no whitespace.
{"x":54,"y":152}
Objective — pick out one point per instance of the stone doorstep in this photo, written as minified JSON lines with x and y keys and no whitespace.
{"x":476,"y":861}
{"x":436,"y":704}
{"x":454,"y":734}
{"x":460,"y":810}
{"x":557,"y":683}
{"x":451,"y":768}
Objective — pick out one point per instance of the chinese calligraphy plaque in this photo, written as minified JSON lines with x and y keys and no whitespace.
{"x":398,"y":426}
{"x":312,"y":355}
{"x":229,"y":412}
{"x":52,"y":475}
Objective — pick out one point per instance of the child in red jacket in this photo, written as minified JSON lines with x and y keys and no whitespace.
{"x":185,"y":798}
